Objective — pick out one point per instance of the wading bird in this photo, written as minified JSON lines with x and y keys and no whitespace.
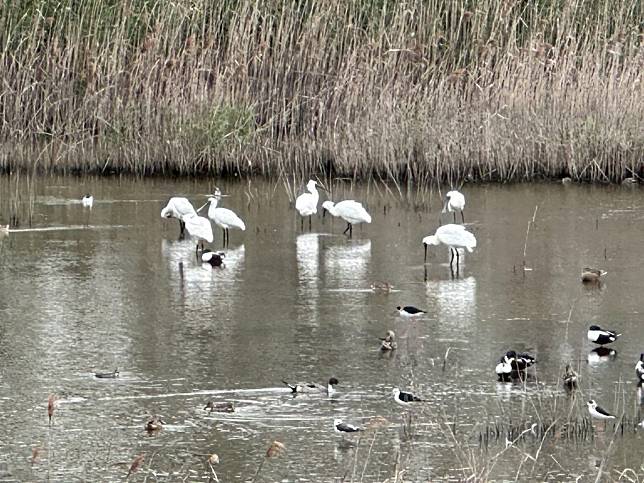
{"x":178,"y":208}
{"x":514,"y":366}
{"x":410,"y":311}
{"x":87,"y":201}
{"x":200,"y":228}
{"x":344,"y":428}
{"x":455,"y":237}
{"x":404,"y":398}
{"x":216,"y":259}
{"x":454,"y":201}
{"x":639,"y":368}
{"x":307,"y":203}
{"x":223,"y":217}
{"x":350,"y":211}
{"x":598,"y":412}
{"x":600,"y":336}
{"x":591,"y":275}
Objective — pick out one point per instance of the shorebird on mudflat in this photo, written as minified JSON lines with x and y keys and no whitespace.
{"x":601,"y":336}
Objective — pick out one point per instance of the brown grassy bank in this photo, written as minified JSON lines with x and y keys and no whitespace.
{"x":420,"y":90}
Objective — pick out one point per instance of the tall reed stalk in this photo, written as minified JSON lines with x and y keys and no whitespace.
{"x":412,"y":91}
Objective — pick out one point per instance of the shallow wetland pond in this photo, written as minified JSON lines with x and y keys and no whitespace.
{"x":91,"y":290}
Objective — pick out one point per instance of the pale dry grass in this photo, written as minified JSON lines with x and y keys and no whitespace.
{"x":416,"y":91}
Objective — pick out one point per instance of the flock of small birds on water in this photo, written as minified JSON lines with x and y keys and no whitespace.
{"x":511,"y":366}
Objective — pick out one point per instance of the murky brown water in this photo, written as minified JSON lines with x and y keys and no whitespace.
{"x":87,"y":291}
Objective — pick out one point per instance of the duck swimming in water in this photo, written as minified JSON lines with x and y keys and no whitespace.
{"x":591,"y":275}
{"x":389,"y":342}
{"x":220,"y":407}
{"x":314,"y":387}
{"x":107,"y":375}
{"x":154,"y":424}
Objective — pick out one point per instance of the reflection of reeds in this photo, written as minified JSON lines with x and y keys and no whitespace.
{"x":414,"y":91}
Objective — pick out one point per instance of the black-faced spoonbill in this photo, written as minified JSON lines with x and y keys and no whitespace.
{"x":350,"y":211}
{"x":455,"y":237}
{"x":178,"y":208}
{"x":307,"y":203}
{"x":223,"y":217}
{"x":455,"y":201}
{"x":200,"y":228}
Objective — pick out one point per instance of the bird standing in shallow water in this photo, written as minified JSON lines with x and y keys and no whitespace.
{"x":200,"y":228}
{"x":455,"y":237}
{"x":639,"y":368}
{"x":597,"y":412}
{"x":592,"y":275}
{"x":307,"y":203}
{"x":350,"y":211}
{"x":455,"y":201}
{"x":223,"y":217}
{"x":178,"y":207}
{"x":601,"y":336}
{"x":87,"y":201}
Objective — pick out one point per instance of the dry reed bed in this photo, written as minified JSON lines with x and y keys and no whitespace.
{"x":419,"y":90}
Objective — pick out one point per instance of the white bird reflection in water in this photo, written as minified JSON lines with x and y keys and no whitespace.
{"x":194,"y":278}
{"x":346,"y":265}
{"x":308,"y":263}
{"x":455,"y":300}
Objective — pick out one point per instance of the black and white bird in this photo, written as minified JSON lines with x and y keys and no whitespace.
{"x":107,"y":375}
{"x":344,"y":428}
{"x":216,"y":259}
{"x":410,"y":311}
{"x":514,"y":366}
{"x":309,"y":387}
{"x":405,"y":398}
{"x":639,"y":368}
{"x":389,"y":342}
{"x":601,"y":336}
{"x":569,"y":377}
{"x":87,"y":201}
{"x":598,"y":412}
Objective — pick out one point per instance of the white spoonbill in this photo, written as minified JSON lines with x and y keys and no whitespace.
{"x":223,"y":217}
{"x":307,"y":203}
{"x":455,"y":237}
{"x":87,"y":201}
{"x":178,"y":208}
{"x":350,"y":211}
{"x":454,"y":201}
{"x":200,"y":228}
